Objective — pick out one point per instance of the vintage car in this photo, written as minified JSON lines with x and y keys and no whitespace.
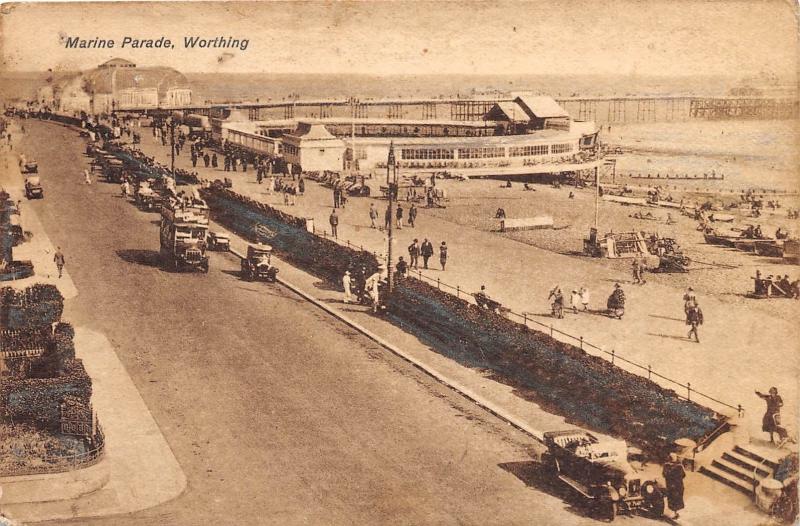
{"x":257,"y":264}
{"x":219,"y":241}
{"x":30,"y":167}
{"x":146,"y":198}
{"x":33,"y":188}
{"x":600,"y":472}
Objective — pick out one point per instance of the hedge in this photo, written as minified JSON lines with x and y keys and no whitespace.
{"x":36,"y":306}
{"x":287,"y":234}
{"x":560,"y":377}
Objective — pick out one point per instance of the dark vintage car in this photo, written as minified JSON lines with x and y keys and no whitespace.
{"x":219,"y":241}
{"x":599,"y":471}
{"x":257,"y":264}
{"x":33,"y":188}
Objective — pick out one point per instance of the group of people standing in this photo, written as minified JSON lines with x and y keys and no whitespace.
{"x":426,"y":251}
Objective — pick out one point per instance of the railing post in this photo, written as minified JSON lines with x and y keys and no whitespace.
{"x":688,"y":391}
{"x":551,"y":330}
{"x":613,"y":352}
{"x":525,"y":318}
{"x":740,"y":411}
{"x":581,"y":342}
{"x":458,"y":291}
{"x":438,"y":284}
{"x":649,"y":372}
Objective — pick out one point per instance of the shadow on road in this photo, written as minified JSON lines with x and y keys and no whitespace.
{"x":532,"y":474}
{"x":666,"y":318}
{"x":147,"y":258}
{"x":670,"y":336}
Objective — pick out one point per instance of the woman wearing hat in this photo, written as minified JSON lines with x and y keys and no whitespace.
{"x":771,"y":421}
{"x":674,"y":474}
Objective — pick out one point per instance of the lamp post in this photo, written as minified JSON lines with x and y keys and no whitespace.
{"x":391,"y":183}
{"x":172,"y":144}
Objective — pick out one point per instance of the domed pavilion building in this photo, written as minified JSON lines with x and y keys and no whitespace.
{"x":120,"y":85}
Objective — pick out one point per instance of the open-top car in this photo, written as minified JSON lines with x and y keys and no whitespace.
{"x":257,"y":264}
{"x":598,"y":469}
{"x":219,"y":241}
{"x":33,"y":187}
{"x":30,"y":167}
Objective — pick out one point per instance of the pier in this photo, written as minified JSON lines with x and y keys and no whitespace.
{"x":603,"y":110}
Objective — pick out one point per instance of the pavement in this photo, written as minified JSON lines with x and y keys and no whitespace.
{"x":742,"y":349}
{"x":138,"y":469}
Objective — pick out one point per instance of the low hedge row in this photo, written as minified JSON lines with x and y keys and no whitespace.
{"x":38,"y":400}
{"x":587,"y":390}
{"x":560,"y":377}
{"x":37,"y":306}
{"x":287,"y":234}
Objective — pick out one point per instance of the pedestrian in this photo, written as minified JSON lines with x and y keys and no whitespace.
{"x":616,"y":302}
{"x":87,"y":178}
{"x":387,"y":218}
{"x":194,"y":159}
{"x":637,"y":272}
{"x":689,"y":300}
{"x":259,"y":175}
{"x":206,"y":159}
{"x":575,"y":300}
{"x":674,"y":474}
{"x":557,"y":305}
{"x":334,"y":221}
{"x":286,"y":195}
{"x":336,"y":192}
{"x":346,"y":283}
{"x":443,"y":254}
{"x":402,"y":267}
{"x":372,"y":286}
{"x":412,"y":215}
{"x":59,"y":260}
{"x":413,"y":254}
{"x":426,"y":251}
{"x":399,"y":215}
{"x":694,"y":318}
{"x":373,"y":215}
{"x":584,"y":292}
{"x":214,"y":162}
{"x":301,"y":185}
{"x":771,"y":421}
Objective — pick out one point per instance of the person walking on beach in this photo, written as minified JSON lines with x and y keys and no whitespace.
{"x":584,"y":293}
{"x":413,"y":254}
{"x":674,"y":474}
{"x":346,"y":283}
{"x":575,"y":300}
{"x":59,"y":260}
{"x":426,"y":251}
{"x":373,"y":215}
{"x":443,"y":255}
{"x":636,"y":267}
{"x":694,"y":318}
{"x":771,"y":421}
{"x":689,"y":300}
{"x":334,"y":221}
{"x":412,"y":215}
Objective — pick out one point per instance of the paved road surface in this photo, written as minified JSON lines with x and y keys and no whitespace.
{"x":277,"y":413}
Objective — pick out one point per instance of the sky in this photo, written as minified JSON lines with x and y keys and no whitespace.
{"x":654,"y":37}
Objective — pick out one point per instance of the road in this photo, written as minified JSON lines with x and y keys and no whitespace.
{"x":277,"y":413}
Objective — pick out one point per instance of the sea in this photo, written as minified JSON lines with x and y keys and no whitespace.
{"x":241,"y":87}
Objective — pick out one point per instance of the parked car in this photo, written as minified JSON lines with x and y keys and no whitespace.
{"x":257,"y":264}
{"x":599,"y":471}
{"x":219,"y":241}
{"x":33,"y":188}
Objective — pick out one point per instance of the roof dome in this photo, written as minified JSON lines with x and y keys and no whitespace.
{"x":118,"y":74}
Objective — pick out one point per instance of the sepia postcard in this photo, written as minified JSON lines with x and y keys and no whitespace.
{"x":399,"y":263}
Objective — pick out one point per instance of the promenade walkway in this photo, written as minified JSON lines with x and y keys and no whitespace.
{"x":741,"y":350}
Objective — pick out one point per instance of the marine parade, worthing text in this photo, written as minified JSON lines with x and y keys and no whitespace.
{"x":189,"y":42}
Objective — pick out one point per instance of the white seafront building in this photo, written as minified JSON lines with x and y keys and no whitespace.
{"x":529,"y":135}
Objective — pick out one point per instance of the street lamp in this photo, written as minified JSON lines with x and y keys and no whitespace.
{"x":391,"y":183}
